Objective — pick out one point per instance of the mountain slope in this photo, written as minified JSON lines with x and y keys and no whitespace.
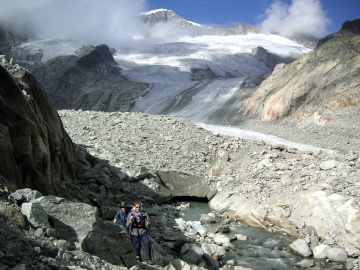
{"x":89,"y":80}
{"x":314,"y":87}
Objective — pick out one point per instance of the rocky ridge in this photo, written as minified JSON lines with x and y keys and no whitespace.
{"x":314,"y":88}
{"x":89,"y":80}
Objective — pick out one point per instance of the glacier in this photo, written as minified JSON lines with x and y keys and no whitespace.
{"x":167,"y":68}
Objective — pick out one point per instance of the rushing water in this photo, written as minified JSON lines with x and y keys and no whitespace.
{"x":262,"y":250}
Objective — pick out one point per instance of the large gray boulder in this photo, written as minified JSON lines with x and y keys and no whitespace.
{"x":214,"y":250}
{"x":72,"y":221}
{"x":110,"y":242}
{"x":191,"y":253}
{"x":36,"y":215}
{"x":181,"y":184}
{"x":336,"y":254}
{"x":301,"y":248}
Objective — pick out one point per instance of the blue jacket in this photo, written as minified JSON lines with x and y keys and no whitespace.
{"x":121,"y":218}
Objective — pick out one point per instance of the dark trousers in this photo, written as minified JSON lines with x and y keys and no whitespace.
{"x":144,"y":239}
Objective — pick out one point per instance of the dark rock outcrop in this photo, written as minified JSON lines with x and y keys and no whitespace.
{"x":36,"y":152}
{"x":348,"y":29}
{"x":202,"y":74}
{"x":91,"y":81}
{"x":352,"y":26}
{"x":9,"y":39}
{"x":270,"y":59}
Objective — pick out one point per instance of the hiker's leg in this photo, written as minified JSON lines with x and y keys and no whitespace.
{"x":136,"y":243}
{"x":146,"y":243}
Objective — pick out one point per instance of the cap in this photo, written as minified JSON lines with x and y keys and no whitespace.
{"x":122,"y":204}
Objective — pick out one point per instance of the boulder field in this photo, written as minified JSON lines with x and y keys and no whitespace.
{"x":310,"y":194}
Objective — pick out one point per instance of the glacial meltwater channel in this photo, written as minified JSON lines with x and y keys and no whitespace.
{"x":262,"y":250}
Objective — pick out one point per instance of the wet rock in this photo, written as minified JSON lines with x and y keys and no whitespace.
{"x":207,"y":218}
{"x":320,"y":251}
{"x":214,"y":250}
{"x":305,"y":263}
{"x":301,"y":248}
{"x":221,"y":239}
{"x":191,"y":253}
{"x":336,"y":254}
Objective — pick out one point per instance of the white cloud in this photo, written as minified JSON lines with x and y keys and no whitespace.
{"x":104,"y":21}
{"x":300,"y":17}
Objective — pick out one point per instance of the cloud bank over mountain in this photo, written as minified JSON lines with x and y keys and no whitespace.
{"x":105,"y":21}
{"x":300,"y":17}
{"x":117,"y":22}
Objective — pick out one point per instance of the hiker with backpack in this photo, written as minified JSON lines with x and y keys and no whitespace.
{"x":138,"y":224}
{"x":121,"y":215}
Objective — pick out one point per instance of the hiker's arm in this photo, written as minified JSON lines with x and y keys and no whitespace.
{"x":129,"y":220}
{"x":116,"y":217}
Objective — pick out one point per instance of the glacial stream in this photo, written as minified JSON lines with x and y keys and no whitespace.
{"x":262,"y":250}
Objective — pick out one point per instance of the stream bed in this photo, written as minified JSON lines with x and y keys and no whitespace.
{"x":262,"y":250}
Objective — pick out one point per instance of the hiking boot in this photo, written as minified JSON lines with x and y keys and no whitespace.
{"x":149,"y":262}
{"x":138,"y":258}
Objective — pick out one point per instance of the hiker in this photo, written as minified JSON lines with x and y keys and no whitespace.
{"x":121,"y":215}
{"x":138,"y":223}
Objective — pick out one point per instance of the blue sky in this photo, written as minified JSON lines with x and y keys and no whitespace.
{"x":229,"y":12}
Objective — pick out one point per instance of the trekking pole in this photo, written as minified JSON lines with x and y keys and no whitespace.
{"x":130,"y":230}
{"x":150,"y":244}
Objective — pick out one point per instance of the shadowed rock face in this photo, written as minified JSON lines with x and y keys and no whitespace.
{"x":90,"y":80}
{"x":8,"y":39}
{"x":36,"y":152}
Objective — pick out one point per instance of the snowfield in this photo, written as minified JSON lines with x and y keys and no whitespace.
{"x":168,"y":68}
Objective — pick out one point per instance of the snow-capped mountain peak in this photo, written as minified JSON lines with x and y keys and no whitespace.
{"x":153,"y":17}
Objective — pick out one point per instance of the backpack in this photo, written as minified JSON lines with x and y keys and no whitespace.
{"x":142,"y":222}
